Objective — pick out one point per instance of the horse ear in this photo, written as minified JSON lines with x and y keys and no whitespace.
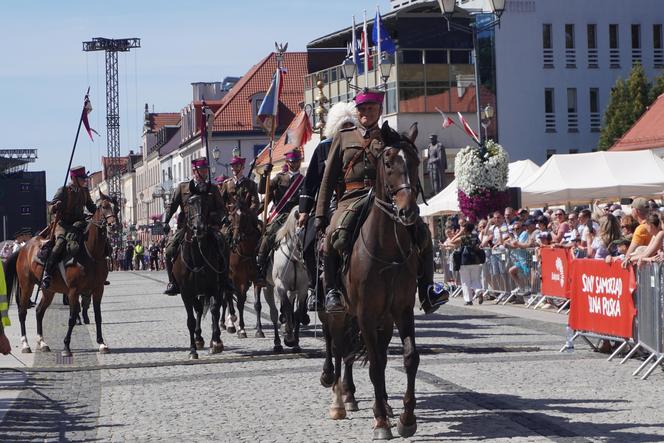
{"x":412,"y":133}
{"x":385,"y":131}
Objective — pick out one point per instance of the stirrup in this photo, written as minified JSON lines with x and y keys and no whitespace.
{"x":172,"y":289}
{"x":436,"y":296}
{"x":333,"y":302}
{"x":46,"y":281}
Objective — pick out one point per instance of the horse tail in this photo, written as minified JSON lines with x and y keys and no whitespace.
{"x":10,"y":274}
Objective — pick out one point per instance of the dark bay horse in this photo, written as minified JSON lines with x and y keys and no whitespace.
{"x":198,"y":269}
{"x":242,"y":263}
{"x":85,"y":278}
{"x":382,"y":278}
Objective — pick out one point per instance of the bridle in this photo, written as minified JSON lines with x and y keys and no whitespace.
{"x":389,"y":207}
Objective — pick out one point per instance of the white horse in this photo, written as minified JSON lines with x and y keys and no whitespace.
{"x":287,"y":275}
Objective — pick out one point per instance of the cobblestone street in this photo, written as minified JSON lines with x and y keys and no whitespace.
{"x":486,"y":373}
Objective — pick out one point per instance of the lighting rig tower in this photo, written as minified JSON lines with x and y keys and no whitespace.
{"x":112,"y":47}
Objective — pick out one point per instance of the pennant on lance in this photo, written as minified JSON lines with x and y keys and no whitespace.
{"x":87,"y":108}
{"x":447,"y":121}
{"x":468,"y":129}
{"x":267,"y":113}
{"x":300,"y":131}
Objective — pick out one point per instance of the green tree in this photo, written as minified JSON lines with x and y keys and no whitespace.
{"x":617,"y":117}
{"x":657,"y":88}
{"x":639,"y":89}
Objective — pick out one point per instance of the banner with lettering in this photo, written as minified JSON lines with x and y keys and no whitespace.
{"x":601,"y":296}
{"x":555,"y":271}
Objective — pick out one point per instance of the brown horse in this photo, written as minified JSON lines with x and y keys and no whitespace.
{"x":382,"y":278}
{"x":242,"y":263}
{"x":85,"y":278}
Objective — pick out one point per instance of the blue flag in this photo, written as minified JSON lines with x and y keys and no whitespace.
{"x":386,"y":43}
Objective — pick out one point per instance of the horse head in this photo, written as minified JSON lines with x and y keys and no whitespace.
{"x":396,"y":174}
{"x":195,"y":220}
{"x":108,"y":210}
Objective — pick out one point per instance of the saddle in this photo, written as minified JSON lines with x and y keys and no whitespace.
{"x":343,"y":238}
{"x":73,"y":243}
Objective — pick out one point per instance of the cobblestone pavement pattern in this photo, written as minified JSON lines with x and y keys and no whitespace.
{"x":487,"y":373}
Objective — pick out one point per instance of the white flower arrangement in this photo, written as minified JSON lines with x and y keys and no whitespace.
{"x":474,"y":173}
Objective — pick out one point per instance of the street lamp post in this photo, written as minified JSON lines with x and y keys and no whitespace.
{"x":216,"y":154}
{"x":487,"y":115}
{"x":348,"y":69}
{"x":497,"y":8}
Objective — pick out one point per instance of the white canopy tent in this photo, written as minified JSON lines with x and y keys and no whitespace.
{"x":446,"y":201}
{"x":581,"y":178}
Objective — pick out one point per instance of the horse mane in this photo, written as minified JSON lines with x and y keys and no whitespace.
{"x":288,"y":226}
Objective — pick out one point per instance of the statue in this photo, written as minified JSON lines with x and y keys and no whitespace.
{"x":437,"y":163}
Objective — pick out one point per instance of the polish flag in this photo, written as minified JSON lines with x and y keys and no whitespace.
{"x":447,"y":121}
{"x":468,"y":129}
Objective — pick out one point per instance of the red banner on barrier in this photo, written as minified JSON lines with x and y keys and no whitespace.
{"x":555,"y":271}
{"x":602,"y":298}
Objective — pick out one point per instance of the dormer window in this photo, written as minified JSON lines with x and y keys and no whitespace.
{"x":256,"y":101}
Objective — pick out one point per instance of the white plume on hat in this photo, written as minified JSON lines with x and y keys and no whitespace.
{"x":339,"y":114}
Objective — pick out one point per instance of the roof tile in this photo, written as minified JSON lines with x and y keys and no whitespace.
{"x":647,"y":132}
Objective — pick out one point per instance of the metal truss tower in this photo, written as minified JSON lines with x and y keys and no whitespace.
{"x":112,"y":47}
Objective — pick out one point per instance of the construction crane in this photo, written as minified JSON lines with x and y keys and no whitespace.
{"x":112,"y":47}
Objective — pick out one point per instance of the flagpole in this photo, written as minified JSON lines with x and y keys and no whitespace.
{"x":78,"y":131}
{"x":205,"y":139}
{"x":367,"y":53}
{"x":355,"y":57}
{"x":377,"y":24}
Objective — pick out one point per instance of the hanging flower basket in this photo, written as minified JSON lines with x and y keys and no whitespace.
{"x":481,"y":174}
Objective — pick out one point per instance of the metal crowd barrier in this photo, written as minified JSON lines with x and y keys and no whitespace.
{"x":497,"y":280}
{"x":450,"y":276}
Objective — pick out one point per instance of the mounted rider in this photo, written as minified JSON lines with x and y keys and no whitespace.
{"x":351,"y":171}
{"x":240,"y":191}
{"x":341,"y":115}
{"x":213,"y":210}
{"x":69,"y":205}
{"x":284,"y":194}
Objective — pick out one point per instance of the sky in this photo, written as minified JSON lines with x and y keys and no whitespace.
{"x":44,"y":73}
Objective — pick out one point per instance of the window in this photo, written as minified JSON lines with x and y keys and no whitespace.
{"x":592,"y":36}
{"x":435,"y":57}
{"x":569,"y":36}
{"x":658,"y":51}
{"x":572,"y":116}
{"x":613,"y":36}
{"x":550,"y":153}
{"x":256,"y":101}
{"x":24,"y":187}
{"x":636,"y":36}
{"x":571,"y":100}
{"x":411,"y":57}
{"x":25,"y":210}
{"x":594,"y":100}
{"x":461,"y":57}
{"x":548,"y":101}
{"x":546,"y":36}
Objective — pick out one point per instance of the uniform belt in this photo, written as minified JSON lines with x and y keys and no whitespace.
{"x":360,"y":184}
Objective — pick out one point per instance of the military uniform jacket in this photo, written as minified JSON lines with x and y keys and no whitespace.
{"x":351,"y":162}
{"x":278,"y":187}
{"x":314,"y":176}
{"x":245,"y":190}
{"x":212,"y":204}
{"x":73,"y":202}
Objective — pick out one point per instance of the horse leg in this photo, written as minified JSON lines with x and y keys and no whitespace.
{"x":44,"y":303}
{"x":191,"y":325}
{"x":241,"y":300}
{"x":337,"y":407}
{"x":232,"y":318}
{"x":382,"y":429}
{"x":274,"y":316}
{"x":222,"y":324}
{"x":384,"y":339}
{"x":288,"y":318}
{"x":23,"y":303}
{"x":327,"y":376}
{"x":216,"y":345}
{"x":407,"y":424}
{"x":257,"y":308}
{"x":96,"y":307}
{"x":74,"y":309}
{"x":198,"y":332}
{"x":85,"y":305}
{"x":349,"y":385}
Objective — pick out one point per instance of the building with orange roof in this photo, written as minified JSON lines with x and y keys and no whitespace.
{"x":647,"y":132}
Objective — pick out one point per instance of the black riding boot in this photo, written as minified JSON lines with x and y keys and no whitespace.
{"x":261,"y":264}
{"x":315,"y":301}
{"x":49,"y":266}
{"x":333,"y":297}
{"x":430,"y":297}
{"x":172,"y":288}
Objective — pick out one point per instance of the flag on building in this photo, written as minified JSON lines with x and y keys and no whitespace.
{"x":300,"y":130}
{"x":386,"y":42}
{"x":87,"y":108}
{"x":366,"y":50}
{"x":447,"y":121}
{"x":468,"y":129}
{"x":267,"y":113}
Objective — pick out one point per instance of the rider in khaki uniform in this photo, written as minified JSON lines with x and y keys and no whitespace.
{"x":69,"y":204}
{"x":213,"y":210}
{"x":284,"y":195}
{"x":351,"y":171}
{"x":239,"y":192}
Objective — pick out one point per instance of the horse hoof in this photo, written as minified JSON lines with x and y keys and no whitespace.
{"x":103,"y":349}
{"x":200,"y":344}
{"x":290,"y":341}
{"x":44,"y":348}
{"x":278,"y":348}
{"x":337,"y":413}
{"x":216,"y":348}
{"x":296,"y":349}
{"x":259,"y":334}
{"x":351,"y":406}
{"x":66,"y":353}
{"x":305,"y":320}
{"x":26,"y":350}
{"x":382,"y":434}
{"x":241,"y":334}
{"x":222,"y":326}
{"x":193,"y":356}
{"x":326,"y":380}
{"x":388,"y":410}
{"x":406,"y":430}
{"x":231,"y":329}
